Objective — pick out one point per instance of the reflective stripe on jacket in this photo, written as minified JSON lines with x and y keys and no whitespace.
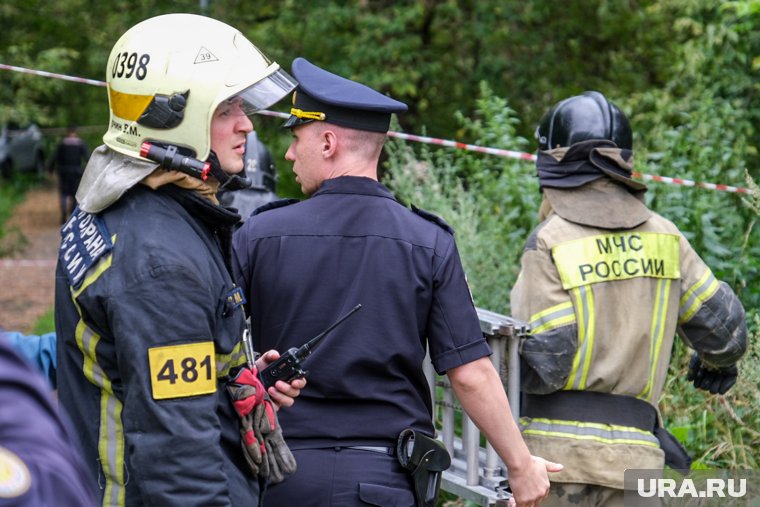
{"x":147,"y":333}
{"x":604,"y":307}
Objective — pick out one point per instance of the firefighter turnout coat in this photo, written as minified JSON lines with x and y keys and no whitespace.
{"x":604,"y":306}
{"x":149,"y":325}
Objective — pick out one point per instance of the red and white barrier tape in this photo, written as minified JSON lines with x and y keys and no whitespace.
{"x":690,"y":183}
{"x":428,"y":140}
{"x":51,"y":74}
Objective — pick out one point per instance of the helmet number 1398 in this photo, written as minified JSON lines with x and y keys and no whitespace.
{"x":130,"y":64}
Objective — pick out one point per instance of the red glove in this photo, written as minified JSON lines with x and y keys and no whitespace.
{"x":264,"y":448}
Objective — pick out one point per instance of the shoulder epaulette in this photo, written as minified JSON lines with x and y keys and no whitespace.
{"x":279,"y":203}
{"x":84,"y":240}
{"x":430,"y":217}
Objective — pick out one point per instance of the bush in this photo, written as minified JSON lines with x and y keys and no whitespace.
{"x":491,"y":202}
{"x":11,"y":194}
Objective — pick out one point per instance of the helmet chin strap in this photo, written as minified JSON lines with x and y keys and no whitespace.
{"x":227,"y":181}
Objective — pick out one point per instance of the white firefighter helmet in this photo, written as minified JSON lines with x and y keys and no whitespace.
{"x":167,"y":74}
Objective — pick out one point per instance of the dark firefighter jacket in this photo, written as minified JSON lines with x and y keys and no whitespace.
{"x":149,"y":324}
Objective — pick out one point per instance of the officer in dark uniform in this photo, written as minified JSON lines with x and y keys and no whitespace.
{"x":304,"y":265}
{"x":39,"y":462}
{"x":262,"y":175}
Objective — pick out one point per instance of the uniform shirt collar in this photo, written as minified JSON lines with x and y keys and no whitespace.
{"x":354,"y":185}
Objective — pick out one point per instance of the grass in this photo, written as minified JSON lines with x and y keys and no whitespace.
{"x":12,"y":239}
{"x":45,"y":324}
{"x":719,"y":432}
{"x":12,"y":192}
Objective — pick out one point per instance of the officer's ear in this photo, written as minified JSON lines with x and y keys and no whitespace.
{"x":329,"y":141}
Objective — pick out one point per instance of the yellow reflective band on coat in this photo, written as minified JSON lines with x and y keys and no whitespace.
{"x":597,"y":432}
{"x":697,"y":294}
{"x":553,"y":317}
{"x":586,"y":319}
{"x":656,"y":334}
{"x":179,"y":371}
{"x":98,"y":269}
{"x":128,"y":106}
{"x":621,"y":256}
{"x":111,"y":428}
{"x":226,"y":362}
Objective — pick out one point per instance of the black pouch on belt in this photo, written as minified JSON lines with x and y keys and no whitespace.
{"x":676,"y":456}
{"x":426,"y":458}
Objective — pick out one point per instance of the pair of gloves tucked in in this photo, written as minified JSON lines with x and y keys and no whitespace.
{"x":265,"y":450}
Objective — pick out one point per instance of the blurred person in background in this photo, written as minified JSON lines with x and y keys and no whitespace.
{"x":67,"y":162}
{"x":262,"y":174}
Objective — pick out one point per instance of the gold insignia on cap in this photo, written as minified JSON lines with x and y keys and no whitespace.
{"x":307,"y":115}
{"x":15,"y":478}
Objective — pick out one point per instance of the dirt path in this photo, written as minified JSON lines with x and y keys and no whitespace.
{"x":27,"y":277}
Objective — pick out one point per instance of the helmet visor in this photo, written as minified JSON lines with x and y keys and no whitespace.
{"x":266,"y":92}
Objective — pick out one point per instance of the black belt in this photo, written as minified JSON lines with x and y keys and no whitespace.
{"x":589,"y":406}
{"x":605,"y":408}
{"x":390,"y":451}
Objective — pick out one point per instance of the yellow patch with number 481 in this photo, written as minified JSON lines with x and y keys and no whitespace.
{"x":179,"y":371}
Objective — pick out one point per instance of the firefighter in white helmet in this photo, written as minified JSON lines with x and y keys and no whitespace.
{"x":148,"y":319}
{"x":606,"y":284}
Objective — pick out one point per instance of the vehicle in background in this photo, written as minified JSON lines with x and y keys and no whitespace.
{"x":21,"y":150}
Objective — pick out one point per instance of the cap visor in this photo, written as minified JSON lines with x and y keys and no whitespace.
{"x":295,"y":121}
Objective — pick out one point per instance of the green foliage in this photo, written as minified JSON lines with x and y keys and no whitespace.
{"x":717,"y":431}
{"x":701,"y":126}
{"x":12,"y":193}
{"x":753,"y":200}
{"x":432,"y":55}
{"x":45,"y":324}
{"x":490,"y":202}
{"x":684,"y":70}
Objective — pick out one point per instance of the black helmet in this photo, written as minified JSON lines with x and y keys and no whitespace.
{"x":260,"y":172}
{"x":580,"y":118}
{"x":259,"y":166}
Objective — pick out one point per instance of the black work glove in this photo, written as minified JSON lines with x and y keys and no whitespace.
{"x":715,"y":380}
